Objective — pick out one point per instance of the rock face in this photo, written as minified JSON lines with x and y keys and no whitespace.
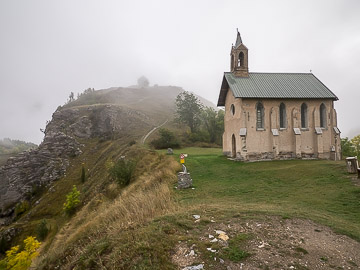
{"x":40,"y":167}
{"x":35,"y":168}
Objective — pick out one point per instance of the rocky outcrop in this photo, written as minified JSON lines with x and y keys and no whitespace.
{"x":35,"y":168}
{"x":40,"y":167}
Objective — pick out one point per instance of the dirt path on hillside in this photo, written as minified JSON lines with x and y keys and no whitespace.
{"x":274,"y":243}
{"x":151,"y":131}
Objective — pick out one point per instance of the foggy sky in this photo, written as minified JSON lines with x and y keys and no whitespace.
{"x":50,"y":48}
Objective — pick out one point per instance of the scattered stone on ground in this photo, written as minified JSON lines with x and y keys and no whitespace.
{"x":183,"y":256}
{"x":274,"y":243}
{"x":194,"y":267}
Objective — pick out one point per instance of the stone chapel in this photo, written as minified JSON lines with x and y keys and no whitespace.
{"x":276,"y":115}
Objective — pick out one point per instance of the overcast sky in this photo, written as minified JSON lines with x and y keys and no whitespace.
{"x":50,"y":48}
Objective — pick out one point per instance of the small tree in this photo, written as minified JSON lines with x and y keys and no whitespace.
{"x":83,"y":174}
{"x":347,"y":147}
{"x":42,"y":230}
{"x":123,"y":171}
{"x":71,"y":97}
{"x":143,"y":82}
{"x":188,"y":110}
{"x":356,"y":144}
{"x":21,"y":260}
{"x":72,"y":200}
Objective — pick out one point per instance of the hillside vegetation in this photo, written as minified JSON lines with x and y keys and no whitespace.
{"x":149,"y":225}
{"x":292,"y":214}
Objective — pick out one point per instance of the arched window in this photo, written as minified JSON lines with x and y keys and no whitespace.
{"x":232,"y":109}
{"x":304,"y":116}
{"x":282,"y":115}
{"x":241,"y":59}
{"x":259,"y":116}
{"x":322,"y":115}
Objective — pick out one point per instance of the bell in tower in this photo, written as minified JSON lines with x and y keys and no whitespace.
{"x":239,"y":58}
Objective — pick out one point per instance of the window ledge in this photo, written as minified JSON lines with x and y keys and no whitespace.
{"x":281,"y":129}
{"x":260,"y":129}
{"x":305,"y":129}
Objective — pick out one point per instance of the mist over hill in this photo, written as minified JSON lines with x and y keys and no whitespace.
{"x":116,"y":114}
{"x":155,"y":101}
{"x":9,"y":148}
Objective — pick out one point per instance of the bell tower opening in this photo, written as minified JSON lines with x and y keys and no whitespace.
{"x":241,"y":60}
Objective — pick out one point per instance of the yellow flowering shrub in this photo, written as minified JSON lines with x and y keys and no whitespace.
{"x":21,"y":260}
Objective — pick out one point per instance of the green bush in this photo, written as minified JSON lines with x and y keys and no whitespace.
{"x":42,"y":230}
{"x":132,"y":142}
{"x":21,"y":207}
{"x":123,"y":171}
{"x":167,"y":139}
{"x":72,"y":200}
{"x":199,"y":136}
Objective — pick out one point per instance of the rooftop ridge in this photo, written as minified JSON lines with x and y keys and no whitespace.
{"x":301,"y":73}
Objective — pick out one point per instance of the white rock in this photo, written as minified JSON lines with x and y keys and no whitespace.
{"x":211,"y":236}
{"x":196,"y":216}
{"x":214,"y":240}
{"x":192,"y":253}
{"x":219,"y":232}
{"x":194,"y":267}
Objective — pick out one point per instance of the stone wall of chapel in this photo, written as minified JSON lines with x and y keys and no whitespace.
{"x":231,"y":123}
{"x":262,"y":144}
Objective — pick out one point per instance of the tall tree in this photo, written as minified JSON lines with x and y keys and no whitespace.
{"x":189,"y":109}
{"x":214,"y":124}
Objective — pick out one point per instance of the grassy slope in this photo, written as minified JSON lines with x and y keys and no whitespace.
{"x":319,"y":190}
{"x":107,"y":209}
{"x":50,"y":203}
{"x":139,"y":227}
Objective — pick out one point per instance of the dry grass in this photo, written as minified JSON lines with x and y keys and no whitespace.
{"x":148,"y":197}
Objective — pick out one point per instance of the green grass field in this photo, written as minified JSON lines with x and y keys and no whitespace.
{"x":316,"y":189}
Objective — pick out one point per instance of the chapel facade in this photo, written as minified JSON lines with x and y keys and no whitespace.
{"x":276,"y":115}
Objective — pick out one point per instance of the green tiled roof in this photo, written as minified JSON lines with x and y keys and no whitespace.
{"x":274,"y":85}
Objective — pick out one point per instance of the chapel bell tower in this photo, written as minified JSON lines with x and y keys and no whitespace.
{"x":239,"y":58}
